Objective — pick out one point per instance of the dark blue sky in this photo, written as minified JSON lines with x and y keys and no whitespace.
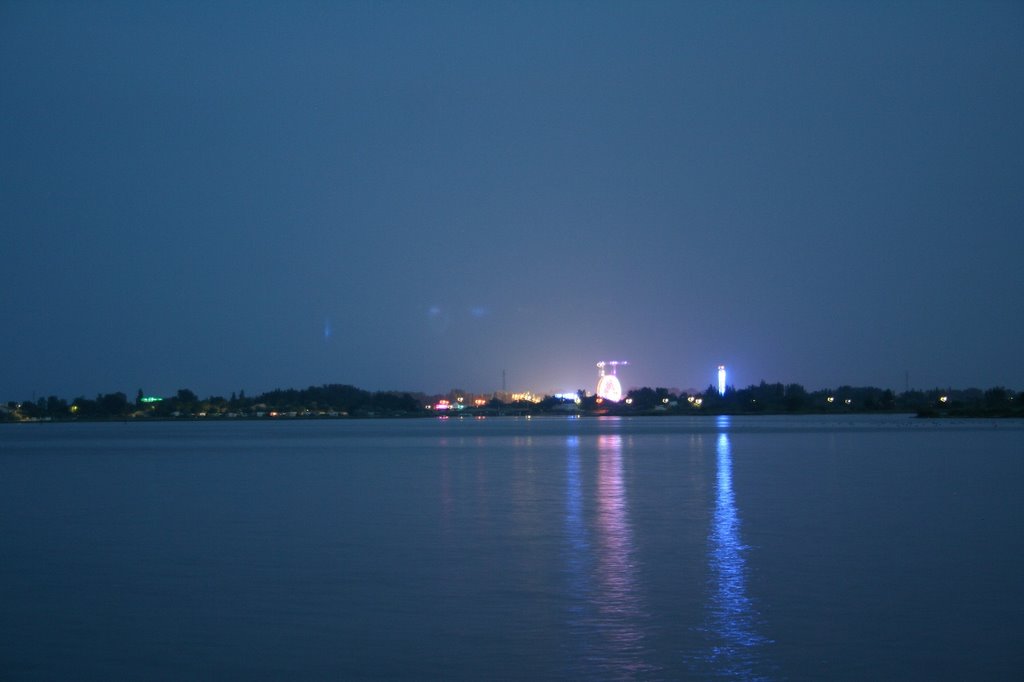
{"x":227,"y":196}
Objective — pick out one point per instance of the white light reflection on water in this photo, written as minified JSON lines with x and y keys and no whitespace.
{"x":618,"y":601}
{"x":734,"y":652}
{"x":606,"y":617}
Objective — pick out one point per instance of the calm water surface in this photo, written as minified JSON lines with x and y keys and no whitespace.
{"x":666,"y":548}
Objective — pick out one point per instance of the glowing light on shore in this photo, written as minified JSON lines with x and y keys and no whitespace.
{"x":608,"y":386}
{"x":721,"y":380}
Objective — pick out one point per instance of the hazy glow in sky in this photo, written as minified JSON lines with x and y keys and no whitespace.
{"x":421,"y":195}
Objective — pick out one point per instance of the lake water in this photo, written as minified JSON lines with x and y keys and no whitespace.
{"x":654,"y":548}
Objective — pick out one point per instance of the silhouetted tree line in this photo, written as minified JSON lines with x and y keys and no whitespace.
{"x":778,"y":398}
{"x":339,"y":398}
{"x":328,"y":400}
{"x":336,"y":400}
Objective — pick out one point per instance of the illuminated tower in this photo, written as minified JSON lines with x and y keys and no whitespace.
{"x":608,"y":386}
{"x":721,"y":380}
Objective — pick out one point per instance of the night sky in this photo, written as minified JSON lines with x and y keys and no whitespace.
{"x":414,"y":195}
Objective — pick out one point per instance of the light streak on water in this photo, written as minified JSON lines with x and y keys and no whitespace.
{"x":575,"y":527}
{"x":606,"y":617}
{"x":732,"y":617}
{"x":577,"y":557}
{"x":621,"y":614}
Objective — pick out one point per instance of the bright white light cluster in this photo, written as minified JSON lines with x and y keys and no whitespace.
{"x":608,"y":386}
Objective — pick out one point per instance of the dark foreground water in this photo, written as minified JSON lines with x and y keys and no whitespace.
{"x":757,"y":548}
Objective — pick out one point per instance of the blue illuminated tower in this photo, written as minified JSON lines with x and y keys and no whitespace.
{"x":721,"y":380}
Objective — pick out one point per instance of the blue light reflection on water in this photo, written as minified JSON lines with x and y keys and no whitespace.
{"x":577,"y":557}
{"x":574,"y":524}
{"x":736,"y":646}
{"x":478,"y":550}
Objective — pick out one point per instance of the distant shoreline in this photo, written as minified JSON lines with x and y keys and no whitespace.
{"x":921,"y":414}
{"x":342,"y":401}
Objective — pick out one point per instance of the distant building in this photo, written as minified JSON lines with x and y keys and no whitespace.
{"x":721,"y":380}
